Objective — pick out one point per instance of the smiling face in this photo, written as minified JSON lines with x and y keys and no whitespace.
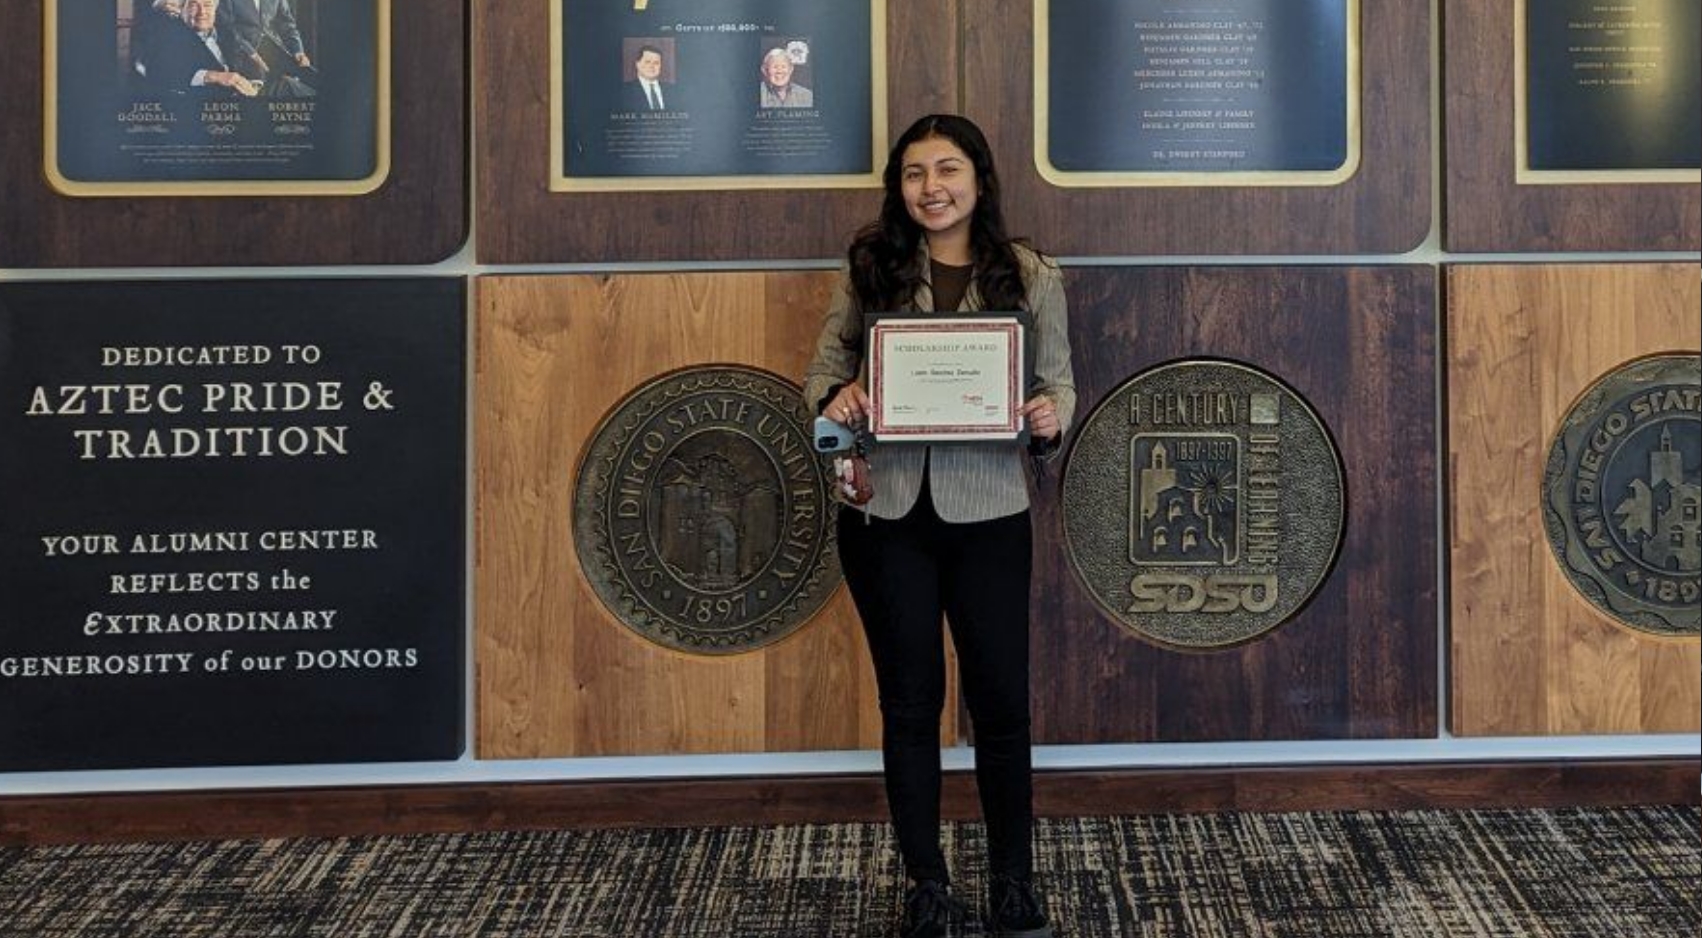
{"x":201,"y":14}
{"x":939,"y":186}
{"x":649,"y":65}
{"x":777,"y":69}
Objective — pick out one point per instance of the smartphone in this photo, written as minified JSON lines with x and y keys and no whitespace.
{"x":832,"y":436}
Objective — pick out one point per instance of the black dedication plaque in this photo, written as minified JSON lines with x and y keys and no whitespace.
{"x":700,"y":94}
{"x":701,"y":514}
{"x":1622,"y":495}
{"x":232,"y":527}
{"x":217,"y":97}
{"x":1611,"y":86}
{"x":1196,"y":92}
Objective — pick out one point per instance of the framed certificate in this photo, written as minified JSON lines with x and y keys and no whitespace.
{"x":947,"y":380}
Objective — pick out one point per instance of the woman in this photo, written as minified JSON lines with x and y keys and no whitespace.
{"x":947,"y":530}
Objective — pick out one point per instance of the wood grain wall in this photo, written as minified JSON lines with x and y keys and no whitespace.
{"x":1529,"y":655}
{"x":418,"y":216}
{"x":521,"y":221}
{"x":557,"y":674}
{"x":1360,"y":660}
{"x":1384,"y":208}
{"x":1485,"y":210}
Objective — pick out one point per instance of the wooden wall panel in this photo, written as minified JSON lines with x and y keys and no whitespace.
{"x":521,"y":221}
{"x":1360,"y":660}
{"x":1485,"y":210}
{"x":1384,"y":208}
{"x":418,"y":216}
{"x":1529,"y":655}
{"x":557,"y":674}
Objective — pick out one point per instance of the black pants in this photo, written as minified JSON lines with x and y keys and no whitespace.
{"x":903,"y":574}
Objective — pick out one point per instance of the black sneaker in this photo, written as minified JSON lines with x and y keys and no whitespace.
{"x":1014,"y":911}
{"x":927,"y":910}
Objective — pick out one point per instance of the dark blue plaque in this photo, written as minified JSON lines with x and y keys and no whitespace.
{"x":1197,"y":86}
{"x":188,"y":97}
{"x":1613,"y":86}
{"x":232,"y":524}
{"x":715,"y":90}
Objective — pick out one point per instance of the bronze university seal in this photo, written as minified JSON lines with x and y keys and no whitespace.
{"x":1203,"y":504}
{"x":701,"y":512}
{"x":1621,"y":501}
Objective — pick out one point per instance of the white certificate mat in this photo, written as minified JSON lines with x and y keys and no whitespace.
{"x":939,"y":379}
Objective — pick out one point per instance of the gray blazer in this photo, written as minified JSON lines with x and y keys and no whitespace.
{"x":245,"y":24}
{"x":967,"y":482}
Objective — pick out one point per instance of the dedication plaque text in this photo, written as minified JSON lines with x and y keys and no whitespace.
{"x":231,"y":539}
{"x":1610,"y":88}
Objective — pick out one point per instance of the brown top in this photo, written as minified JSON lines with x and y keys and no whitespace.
{"x":950,"y":282}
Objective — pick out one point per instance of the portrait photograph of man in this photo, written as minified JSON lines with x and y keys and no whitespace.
{"x":648,"y":75}
{"x":183,"y":53}
{"x":783,"y":67}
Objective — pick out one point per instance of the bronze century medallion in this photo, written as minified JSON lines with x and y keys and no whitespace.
{"x":1203,"y":503}
{"x":701,"y":513}
{"x":1621,"y":500}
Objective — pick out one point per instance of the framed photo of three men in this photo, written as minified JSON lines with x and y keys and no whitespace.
{"x":347,"y":117}
{"x":206,"y":97}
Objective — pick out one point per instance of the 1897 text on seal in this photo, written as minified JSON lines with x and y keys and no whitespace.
{"x":701,"y":511}
{"x":1622,"y":495}
{"x":1203,"y":504}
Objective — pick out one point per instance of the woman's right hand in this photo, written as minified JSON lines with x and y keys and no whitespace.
{"x":850,"y":406}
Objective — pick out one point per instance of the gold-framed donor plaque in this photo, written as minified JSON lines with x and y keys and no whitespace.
{"x":1622,"y":503}
{"x":1571,"y":125}
{"x":216,"y":97}
{"x":1203,"y":504}
{"x":677,"y":95}
{"x":1607,"y":92}
{"x":701,"y":515}
{"x":1196,"y":92}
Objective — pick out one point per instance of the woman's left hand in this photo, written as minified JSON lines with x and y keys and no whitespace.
{"x":1042,"y":416}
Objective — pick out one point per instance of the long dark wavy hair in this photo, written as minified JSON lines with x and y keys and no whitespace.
{"x":886,"y":269}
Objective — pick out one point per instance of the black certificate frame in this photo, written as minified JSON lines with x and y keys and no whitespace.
{"x":63,"y":183}
{"x":1018,"y":322}
{"x":1524,"y":174}
{"x":1146,"y":178}
{"x":560,"y":180}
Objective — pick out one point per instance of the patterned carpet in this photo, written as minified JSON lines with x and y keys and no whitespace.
{"x":1630,"y":873}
